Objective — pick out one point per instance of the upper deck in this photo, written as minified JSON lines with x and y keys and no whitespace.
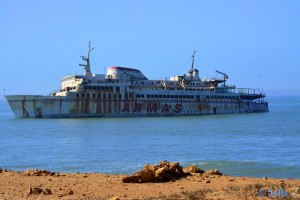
{"x":135,"y":80}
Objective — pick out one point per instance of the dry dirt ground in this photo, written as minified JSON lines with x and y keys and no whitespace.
{"x":92,"y":186}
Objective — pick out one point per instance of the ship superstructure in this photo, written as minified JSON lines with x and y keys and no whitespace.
{"x":127,"y":92}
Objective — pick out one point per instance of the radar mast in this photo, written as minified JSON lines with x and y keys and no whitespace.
{"x":87,"y":66}
{"x":193,"y":56}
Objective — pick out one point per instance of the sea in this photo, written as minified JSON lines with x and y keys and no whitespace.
{"x":253,"y":144}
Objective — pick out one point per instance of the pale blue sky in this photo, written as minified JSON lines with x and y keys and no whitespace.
{"x":256,"y":42}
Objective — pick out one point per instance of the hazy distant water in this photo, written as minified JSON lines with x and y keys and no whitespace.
{"x":263,"y":144}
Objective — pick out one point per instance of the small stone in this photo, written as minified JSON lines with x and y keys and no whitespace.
{"x":29,"y":191}
{"x":208,"y":181}
{"x":47,"y":192}
{"x":213,"y":172}
{"x":70,"y":192}
{"x":114,"y":198}
{"x":36,"y":190}
{"x":265,"y":178}
{"x":193,"y":169}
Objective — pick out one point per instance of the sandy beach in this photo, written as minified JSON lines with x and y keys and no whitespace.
{"x":43,"y":184}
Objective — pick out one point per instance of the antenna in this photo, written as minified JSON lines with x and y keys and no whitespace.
{"x":87,"y":66}
{"x":193,"y":56}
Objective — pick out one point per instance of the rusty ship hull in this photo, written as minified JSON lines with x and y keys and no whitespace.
{"x":33,"y":106}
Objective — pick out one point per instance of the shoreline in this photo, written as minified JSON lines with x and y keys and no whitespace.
{"x":43,"y":184}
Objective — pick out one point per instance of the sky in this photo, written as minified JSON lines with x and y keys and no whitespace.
{"x":255,"y":42}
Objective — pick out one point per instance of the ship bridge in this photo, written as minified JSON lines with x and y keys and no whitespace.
{"x":124,"y":73}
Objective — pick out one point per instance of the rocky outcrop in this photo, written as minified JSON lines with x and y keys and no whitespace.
{"x":38,"y":190}
{"x":37,"y":172}
{"x":162,"y":172}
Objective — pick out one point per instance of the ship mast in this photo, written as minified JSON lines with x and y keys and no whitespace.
{"x":87,"y":66}
{"x":193,"y":56}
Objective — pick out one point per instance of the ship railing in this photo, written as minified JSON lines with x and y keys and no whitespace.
{"x":241,"y":91}
{"x":249,"y":91}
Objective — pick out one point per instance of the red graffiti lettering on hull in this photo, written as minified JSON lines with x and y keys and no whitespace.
{"x":151,"y":108}
{"x":126,"y":108}
{"x":165,"y":109}
{"x":137,"y":107}
{"x":178,"y":108}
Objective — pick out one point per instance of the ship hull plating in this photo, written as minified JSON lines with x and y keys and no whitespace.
{"x":110,"y":105}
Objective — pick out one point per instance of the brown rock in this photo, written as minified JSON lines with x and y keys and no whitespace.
{"x":213,"y":172}
{"x":193,"y":169}
{"x":162,"y":164}
{"x":162,"y":172}
{"x":70,"y":192}
{"x":35,"y":190}
{"x":29,"y":191}
{"x":37,"y":172}
{"x":47,"y":192}
{"x":176,"y":169}
{"x":147,"y":174}
{"x":114,"y":198}
{"x":132,"y":179}
{"x":148,"y":167}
